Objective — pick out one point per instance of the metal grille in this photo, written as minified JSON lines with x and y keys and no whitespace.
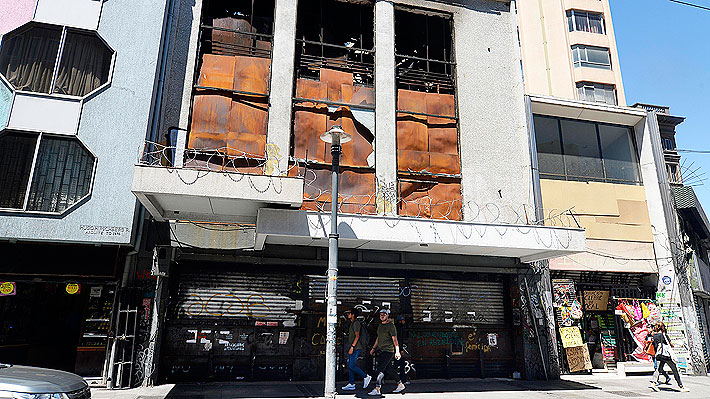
{"x":212,"y":294}
{"x":62,"y":176}
{"x":702,"y":322}
{"x":450,"y":301}
{"x":16,"y":153}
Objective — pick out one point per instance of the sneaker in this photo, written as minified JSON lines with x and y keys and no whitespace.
{"x":667,"y":382}
{"x":366,"y":381}
{"x":400,"y":388}
{"x":684,"y":389}
{"x":349,"y":387}
{"x":375,"y":392}
{"x":654,"y":387}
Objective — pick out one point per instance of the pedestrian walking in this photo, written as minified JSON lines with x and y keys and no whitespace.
{"x":402,"y":335}
{"x":387,"y":348}
{"x":663,"y":346}
{"x":650,"y":349}
{"x":354,"y":345}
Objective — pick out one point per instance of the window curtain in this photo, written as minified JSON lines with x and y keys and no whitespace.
{"x":62,"y":175}
{"x":582,"y":21}
{"x":84,"y":65}
{"x":27,"y":58}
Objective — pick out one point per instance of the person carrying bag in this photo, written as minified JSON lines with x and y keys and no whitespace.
{"x":664,"y":355}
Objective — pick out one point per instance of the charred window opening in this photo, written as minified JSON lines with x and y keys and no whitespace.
{"x":423,"y":52}
{"x":334,"y":86}
{"x":231,"y":88}
{"x":335,"y":35}
{"x":428,"y":164}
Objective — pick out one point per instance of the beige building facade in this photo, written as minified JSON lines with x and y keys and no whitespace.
{"x":568,"y":50}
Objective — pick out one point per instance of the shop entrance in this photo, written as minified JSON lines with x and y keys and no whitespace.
{"x":59,"y":325}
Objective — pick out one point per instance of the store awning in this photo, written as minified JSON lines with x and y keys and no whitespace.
{"x":688,"y":204}
{"x":526,"y":242}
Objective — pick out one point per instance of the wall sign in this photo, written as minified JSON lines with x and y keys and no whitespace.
{"x":570,"y":337}
{"x":73,"y":288}
{"x":596,"y":300}
{"x":666,"y":280}
{"x":8,"y":288}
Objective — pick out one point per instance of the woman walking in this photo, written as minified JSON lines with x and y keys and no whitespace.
{"x":663,"y":355}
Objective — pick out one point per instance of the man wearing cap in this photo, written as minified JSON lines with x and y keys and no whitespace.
{"x":388,"y":347}
{"x":353,"y":348}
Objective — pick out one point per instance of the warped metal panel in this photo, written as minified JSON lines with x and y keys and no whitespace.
{"x":356,"y":191}
{"x":251,"y":74}
{"x":462,"y":302}
{"x":229,"y":294}
{"x":217,"y":71}
{"x":430,"y":199}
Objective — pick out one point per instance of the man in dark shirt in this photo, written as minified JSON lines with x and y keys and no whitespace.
{"x":353,"y":347}
{"x":388,"y":347}
{"x":663,"y":346}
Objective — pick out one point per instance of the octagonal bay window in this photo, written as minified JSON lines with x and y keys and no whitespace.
{"x":43,"y":173}
{"x":52,"y":59}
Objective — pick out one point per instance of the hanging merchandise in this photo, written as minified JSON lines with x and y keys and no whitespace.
{"x":644,"y":310}
{"x":576,"y":310}
{"x":566,"y":316}
{"x":654,"y":315}
{"x":638,"y":313}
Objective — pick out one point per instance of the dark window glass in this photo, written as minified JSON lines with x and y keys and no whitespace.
{"x":16,"y":154}
{"x":84,"y":66}
{"x":549,"y":148}
{"x":62,"y":175}
{"x":581,"y":149}
{"x":619,"y":154}
{"x":27,"y":58}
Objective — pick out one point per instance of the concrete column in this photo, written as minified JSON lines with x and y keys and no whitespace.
{"x":385,"y":118}
{"x":278,"y":137}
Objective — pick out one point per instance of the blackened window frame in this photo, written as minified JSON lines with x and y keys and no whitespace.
{"x":567,"y":177}
{"x":362,"y":67}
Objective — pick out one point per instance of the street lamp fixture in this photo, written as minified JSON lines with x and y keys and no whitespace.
{"x":335,"y":137}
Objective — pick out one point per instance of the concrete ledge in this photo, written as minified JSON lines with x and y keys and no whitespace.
{"x":188,"y":194}
{"x":624,"y":368}
{"x":526,"y":242}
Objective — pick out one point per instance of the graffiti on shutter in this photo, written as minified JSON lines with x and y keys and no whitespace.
{"x":240,"y":295}
{"x":460,"y":302}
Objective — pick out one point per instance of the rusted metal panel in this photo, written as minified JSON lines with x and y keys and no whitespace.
{"x":356,"y":190}
{"x":217,"y":71}
{"x":210,"y":114}
{"x":312,"y":119}
{"x":408,"y":160}
{"x":446,"y":202}
{"x":226,"y":42}
{"x":410,"y":100}
{"x":251,"y":74}
{"x":247,"y":127}
{"x":412,"y":134}
{"x":443,"y":140}
{"x":430,"y":199}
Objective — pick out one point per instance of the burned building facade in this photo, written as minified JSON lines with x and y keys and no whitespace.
{"x":438,"y":222}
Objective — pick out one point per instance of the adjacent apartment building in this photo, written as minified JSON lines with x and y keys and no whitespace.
{"x":77,"y":82}
{"x":604,"y":162}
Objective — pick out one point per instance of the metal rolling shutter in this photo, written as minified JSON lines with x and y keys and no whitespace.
{"x":464,"y":302}
{"x":704,"y":334}
{"x":241,"y":295}
{"x":355,"y":290}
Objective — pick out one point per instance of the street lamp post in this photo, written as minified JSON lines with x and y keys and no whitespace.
{"x":335,"y":136}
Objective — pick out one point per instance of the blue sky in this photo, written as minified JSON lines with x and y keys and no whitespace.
{"x":664,"y":51}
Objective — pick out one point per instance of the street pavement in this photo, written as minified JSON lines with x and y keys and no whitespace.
{"x":597,"y":386}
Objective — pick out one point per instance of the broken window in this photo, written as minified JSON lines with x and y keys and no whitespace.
{"x":231,"y":90}
{"x":334,"y":86}
{"x":44,"y":173}
{"x":28,"y":56}
{"x":428,"y":162}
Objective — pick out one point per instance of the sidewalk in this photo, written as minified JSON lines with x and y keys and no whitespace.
{"x":575,"y":387}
